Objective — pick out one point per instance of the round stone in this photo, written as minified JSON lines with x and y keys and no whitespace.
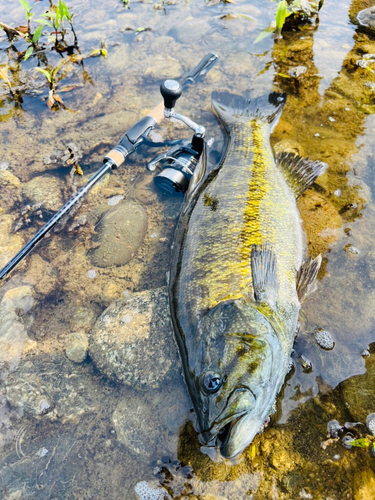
{"x":119,"y":234}
{"x":133,"y":341}
{"x":76,"y":345}
{"x":324,"y":339}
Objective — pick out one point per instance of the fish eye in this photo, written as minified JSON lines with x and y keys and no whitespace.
{"x":211,"y":382}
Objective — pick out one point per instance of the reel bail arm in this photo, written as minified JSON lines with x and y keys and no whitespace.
{"x":178,"y":163}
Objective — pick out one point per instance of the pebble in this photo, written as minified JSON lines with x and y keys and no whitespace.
{"x":76,"y":345}
{"x":306,"y":364}
{"x":351,"y":249}
{"x":4,"y":165}
{"x":115,"y":200}
{"x":91,"y":273}
{"x":334,"y":428}
{"x":346,"y":440}
{"x":324,"y":339}
{"x":297,"y":71}
{"x":132,"y":341}
{"x":370,"y":423}
{"x":119,"y":234}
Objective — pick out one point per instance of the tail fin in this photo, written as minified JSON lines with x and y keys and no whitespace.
{"x":231,"y":108}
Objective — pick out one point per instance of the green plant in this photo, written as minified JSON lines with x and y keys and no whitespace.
{"x":299,"y":9}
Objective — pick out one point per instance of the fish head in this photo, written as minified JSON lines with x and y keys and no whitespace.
{"x":235,"y":375}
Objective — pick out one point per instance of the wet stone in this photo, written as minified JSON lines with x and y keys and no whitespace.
{"x":13,"y":334}
{"x":29,"y":396}
{"x":370,"y":423}
{"x":132,"y":341}
{"x":334,"y":428}
{"x":48,"y":387}
{"x":324,"y":339}
{"x":367,"y":17}
{"x":119,"y":235}
{"x":45,"y":191}
{"x":358,"y":391}
{"x":136,"y":426}
{"x":76,"y":345}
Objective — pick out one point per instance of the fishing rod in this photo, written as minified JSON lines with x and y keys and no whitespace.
{"x":136,"y":135}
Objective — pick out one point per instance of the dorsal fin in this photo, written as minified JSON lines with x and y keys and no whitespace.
{"x":264,"y":274}
{"x":299,"y":172}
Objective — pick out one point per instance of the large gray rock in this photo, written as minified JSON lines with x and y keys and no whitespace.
{"x":120,"y":233}
{"x":132,"y":341}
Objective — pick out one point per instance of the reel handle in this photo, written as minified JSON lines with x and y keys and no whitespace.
{"x":171,"y":90}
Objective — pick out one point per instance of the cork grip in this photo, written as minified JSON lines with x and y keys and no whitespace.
{"x":115,"y":156}
{"x":157,"y":113}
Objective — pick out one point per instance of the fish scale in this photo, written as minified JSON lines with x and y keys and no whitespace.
{"x":253,"y":205}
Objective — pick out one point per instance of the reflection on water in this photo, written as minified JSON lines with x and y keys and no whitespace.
{"x":67,"y":430}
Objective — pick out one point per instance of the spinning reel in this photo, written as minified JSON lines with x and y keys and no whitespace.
{"x":176,"y":166}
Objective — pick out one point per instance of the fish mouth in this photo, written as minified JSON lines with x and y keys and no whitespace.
{"x":229,"y":422}
{"x":225,"y":432}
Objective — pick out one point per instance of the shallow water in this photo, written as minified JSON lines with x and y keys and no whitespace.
{"x":68,"y":431}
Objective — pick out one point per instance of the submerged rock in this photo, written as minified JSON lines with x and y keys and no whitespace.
{"x":45,"y":191}
{"x":28,"y":395}
{"x":76,"y":345}
{"x":358,"y":391}
{"x":120,"y":233}
{"x":136,"y":425}
{"x":48,"y":387}
{"x":366,"y":17}
{"x":324,"y":339}
{"x":132,"y":341}
{"x":10,"y":243}
{"x":13,"y":335}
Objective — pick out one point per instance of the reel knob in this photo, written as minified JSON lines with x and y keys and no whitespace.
{"x":171,"y":90}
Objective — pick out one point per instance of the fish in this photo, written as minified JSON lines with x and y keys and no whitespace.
{"x":239,"y":274}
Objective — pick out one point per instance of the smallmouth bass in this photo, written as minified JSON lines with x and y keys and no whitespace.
{"x":238,"y":274}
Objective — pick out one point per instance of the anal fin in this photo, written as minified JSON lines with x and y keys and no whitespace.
{"x":264,"y":274}
{"x":299,"y":172}
{"x":306,"y":276}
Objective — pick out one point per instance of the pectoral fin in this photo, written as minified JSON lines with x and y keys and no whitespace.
{"x":299,"y":172}
{"x":264,"y":274}
{"x":306,"y":276}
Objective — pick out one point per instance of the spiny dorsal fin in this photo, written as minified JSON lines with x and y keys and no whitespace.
{"x":299,"y":172}
{"x":306,"y":276}
{"x":264,"y":274}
